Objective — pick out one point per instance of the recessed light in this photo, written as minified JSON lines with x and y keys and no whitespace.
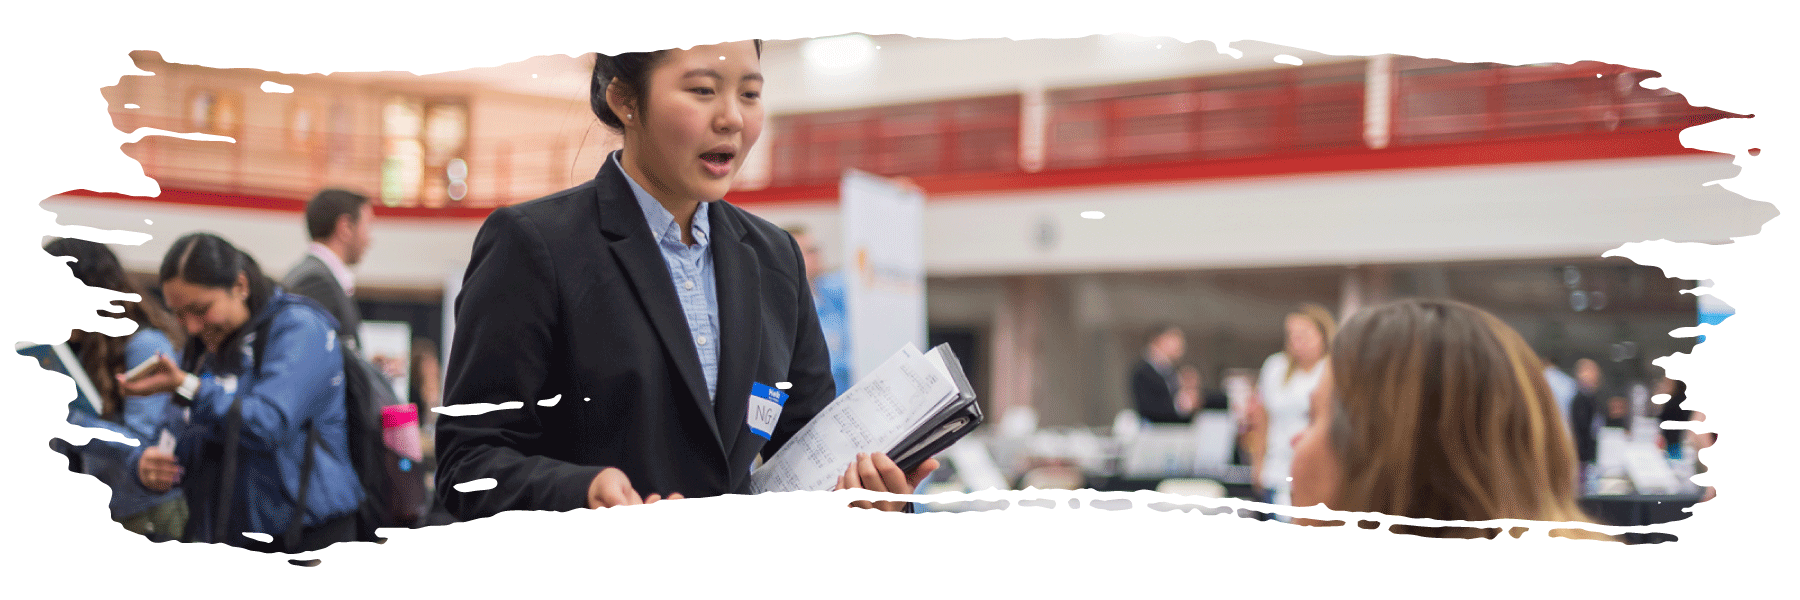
{"x":1092,"y":214}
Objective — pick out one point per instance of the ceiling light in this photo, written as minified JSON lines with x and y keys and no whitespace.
{"x":839,"y":54}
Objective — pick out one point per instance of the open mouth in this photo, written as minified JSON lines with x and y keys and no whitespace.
{"x":718,"y":164}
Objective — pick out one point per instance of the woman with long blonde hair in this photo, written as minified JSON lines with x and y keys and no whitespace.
{"x":1283,"y":387}
{"x":1436,"y":409}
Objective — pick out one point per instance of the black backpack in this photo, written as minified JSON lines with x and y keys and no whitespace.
{"x":393,"y":485}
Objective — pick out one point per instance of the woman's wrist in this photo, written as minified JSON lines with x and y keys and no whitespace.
{"x":189,"y":386}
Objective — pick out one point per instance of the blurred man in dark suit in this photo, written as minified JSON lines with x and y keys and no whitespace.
{"x":1586,"y":410}
{"x":339,"y":222}
{"x":1157,"y":391}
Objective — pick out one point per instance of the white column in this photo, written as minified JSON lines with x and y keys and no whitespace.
{"x":1350,"y":293}
{"x":1016,"y":331}
{"x":1034,"y":124}
{"x":1377,"y":101}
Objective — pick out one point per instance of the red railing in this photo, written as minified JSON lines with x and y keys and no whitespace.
{"x":1210,"y":117}
{"x":269,"y":163}
{"x":1439,"y":101}
{"x":965,"y":135}
{"x":1282,"y":113}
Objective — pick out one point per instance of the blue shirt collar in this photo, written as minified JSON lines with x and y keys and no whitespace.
{"x":661,"y":221}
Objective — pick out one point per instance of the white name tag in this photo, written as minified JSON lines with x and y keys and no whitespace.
{"x":764,"y":409}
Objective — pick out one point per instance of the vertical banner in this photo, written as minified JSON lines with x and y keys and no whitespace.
{"x":1713,"y":311}
{"x":884,"y":264}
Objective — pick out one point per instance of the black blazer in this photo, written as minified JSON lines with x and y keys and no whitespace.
{"x":311,"y":278}
{"x":569,"y":296}
{"x":1582,"y":410}
{"x":1152,"y":397}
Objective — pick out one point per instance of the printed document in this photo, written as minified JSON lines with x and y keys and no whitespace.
{"x":874,"y":415}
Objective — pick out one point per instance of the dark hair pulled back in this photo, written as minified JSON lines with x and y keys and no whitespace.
{"x":207,"y":260}
{"x":631,"y":69}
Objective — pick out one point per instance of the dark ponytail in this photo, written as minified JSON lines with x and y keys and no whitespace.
{"x":631,"y":69}
{"x":207,"y":260}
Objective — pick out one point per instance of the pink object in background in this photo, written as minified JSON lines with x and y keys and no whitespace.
{"x":400,"y":430}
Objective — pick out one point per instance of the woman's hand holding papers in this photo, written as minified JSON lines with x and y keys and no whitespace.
{"x":157,"y":470}
{"x":878,"y":473}
{"x":162,"y":375}
{"x":612,"y":488}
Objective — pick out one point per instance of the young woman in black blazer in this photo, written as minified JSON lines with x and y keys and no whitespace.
{"x":628,"y":318}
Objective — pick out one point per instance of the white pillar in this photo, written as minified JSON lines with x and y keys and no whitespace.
{"x":1034,"y":126}
{"x":1377,"y":101}
{"x":1017,"y":327}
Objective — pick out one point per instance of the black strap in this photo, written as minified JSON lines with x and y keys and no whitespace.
{"x":257,"y":345}
{"x":234,"y":426}
{"x":296,"y":524}
{"x":228,"y":471}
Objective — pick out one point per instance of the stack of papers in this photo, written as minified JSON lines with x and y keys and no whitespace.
{"x":911,"y":407}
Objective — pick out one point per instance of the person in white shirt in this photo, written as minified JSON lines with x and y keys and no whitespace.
{"x":1278,"y":411}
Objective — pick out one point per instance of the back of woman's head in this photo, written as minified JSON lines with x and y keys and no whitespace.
{"x":102,"y":356}
{"x":95,"y":264}
{"x":207,"y":260}
{"x":632,"y":69}
{"x":1443,"y":413}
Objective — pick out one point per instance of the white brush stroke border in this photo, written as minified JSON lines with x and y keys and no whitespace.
{"x":1719,"y":54}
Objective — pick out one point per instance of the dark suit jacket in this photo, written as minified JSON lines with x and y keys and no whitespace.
{"x":312,"y":279}
{"x":1152,"y":397}
{"x":569,"y":296}
{"x":1582,"y":411}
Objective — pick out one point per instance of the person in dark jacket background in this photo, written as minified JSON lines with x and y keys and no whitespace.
{"x":1672,"y":410}
{"x":289,"y":400}
{"x":1586,"y":410}
{"x":338,"y":221}
{"x":1157,"y":389}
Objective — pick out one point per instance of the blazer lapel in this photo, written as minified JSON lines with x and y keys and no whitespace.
{"x":629,"y":238}
{"x":738,"y":276}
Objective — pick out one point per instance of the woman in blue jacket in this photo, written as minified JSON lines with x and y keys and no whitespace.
{"x":263,"y":429}
{"x":157,"y":514}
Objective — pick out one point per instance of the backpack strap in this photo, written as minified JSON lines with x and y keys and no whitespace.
{"x":258,"y":345}
{"x":234,"y":425}
{"x":297,"y":523}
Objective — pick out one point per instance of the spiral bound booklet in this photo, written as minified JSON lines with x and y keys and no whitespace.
{"x":911,"y":407}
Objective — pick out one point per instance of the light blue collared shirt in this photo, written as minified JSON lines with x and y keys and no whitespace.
{"x":691,"y":267}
